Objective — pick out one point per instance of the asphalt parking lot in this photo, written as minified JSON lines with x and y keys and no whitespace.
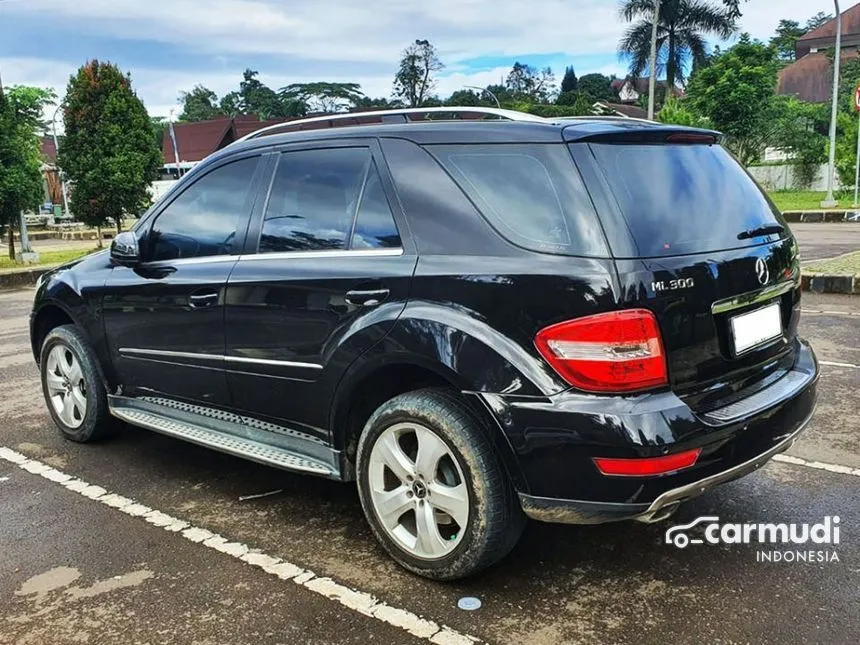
{"x":822,"y":241}
{"x":79,"y":570}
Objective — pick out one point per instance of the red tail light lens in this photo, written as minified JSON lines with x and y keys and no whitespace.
{"x":619,"y":351}
{"x":648,"y":466}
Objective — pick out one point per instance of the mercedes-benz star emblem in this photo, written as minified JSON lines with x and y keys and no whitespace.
{"x":761,"y":271}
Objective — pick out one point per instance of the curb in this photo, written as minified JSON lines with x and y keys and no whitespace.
{"x":23,"y":278}
{"x":823,"y":217}
{"x":830,"y":283}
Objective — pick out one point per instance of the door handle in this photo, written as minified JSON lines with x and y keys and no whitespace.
{"x":366,"y":297}
{"x":200,"y":300}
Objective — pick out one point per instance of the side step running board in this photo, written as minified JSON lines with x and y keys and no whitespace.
{"x":195,"y":432}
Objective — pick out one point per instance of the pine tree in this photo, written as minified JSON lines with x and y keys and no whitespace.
{"x":109,"y":153}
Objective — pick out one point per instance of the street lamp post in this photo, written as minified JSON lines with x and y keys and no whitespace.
{"x":829,"y":201}
{"x":652,"y":76}
{"x":484,"y":89}
{"x":57,"y":151}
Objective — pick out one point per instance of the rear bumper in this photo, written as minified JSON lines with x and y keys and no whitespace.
{"x":556,"y":439}
{"x":569,"y":511}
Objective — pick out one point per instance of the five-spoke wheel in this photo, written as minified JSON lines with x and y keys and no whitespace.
{"x":417,"y":489}
{"x":66,"y":387}
{"x":432,"y":486}
{"x":73,"y":385}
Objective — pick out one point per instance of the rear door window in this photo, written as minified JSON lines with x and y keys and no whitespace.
{"x":313,"y":200}
{"x":530,"y":193}
{"x":684,"y":198}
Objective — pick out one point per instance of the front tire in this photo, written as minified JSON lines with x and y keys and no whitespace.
{"x":73,"y":387}
{"x":433,"y":490}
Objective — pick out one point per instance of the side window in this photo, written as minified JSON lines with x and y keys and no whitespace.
{"x":374,"y":224}
{"x":313,"y":200}
{"x":205,"y":219}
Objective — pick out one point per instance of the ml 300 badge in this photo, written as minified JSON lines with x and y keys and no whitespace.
{"x":672,"y":285}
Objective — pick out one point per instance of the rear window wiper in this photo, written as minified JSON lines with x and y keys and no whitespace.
{"x":770,"y":229}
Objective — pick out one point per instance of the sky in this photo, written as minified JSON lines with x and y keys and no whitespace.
{"x":171,"y":45}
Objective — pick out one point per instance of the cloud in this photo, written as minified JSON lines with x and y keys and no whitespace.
{"x":212,"y":41}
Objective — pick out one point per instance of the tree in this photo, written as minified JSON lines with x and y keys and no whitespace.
{"x":676,"y":111}
{"x":598,"y":87}
{"x":159,"y":125}
{"x":258,"y":98}
{"x":20,"y":176}
{"x":366,"y":103}
{"x":818,"y":20}
{"x":569,"y":83}
{"x":470,"y":98}
{"x":414,"y":81}
{"x":736,"y":92}
{"x":529,"y":83}
{"x":787,"y":33}
{"x":231,"y":104}
{"x":109,"y":152}
{"x":681,"y":33}
{"x":580,"y":102}
{"x":322,"y":96}
{"x":254,"y":97}
{"x":801,"y":129}
{"x":200,"y":104}
{"x":733,"y":7}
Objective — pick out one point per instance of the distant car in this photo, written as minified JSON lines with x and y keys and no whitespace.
{"x":477,"y":320}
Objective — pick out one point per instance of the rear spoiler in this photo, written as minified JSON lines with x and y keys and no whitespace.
{"x":623,"y":131}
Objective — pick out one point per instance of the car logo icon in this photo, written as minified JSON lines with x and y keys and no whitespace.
{"x":680,"y":539}
{"x":761,"y":271}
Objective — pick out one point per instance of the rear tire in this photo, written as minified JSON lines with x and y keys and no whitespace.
{"x":73,"y":387}
{"x":432,"y":488}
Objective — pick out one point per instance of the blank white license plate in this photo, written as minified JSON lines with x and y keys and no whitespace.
{"x":756,"y":327}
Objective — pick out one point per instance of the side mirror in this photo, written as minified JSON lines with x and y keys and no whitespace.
{"x":123,"y":249}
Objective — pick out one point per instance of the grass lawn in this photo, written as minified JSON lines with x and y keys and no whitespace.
{"x":47,"y":258}
{"x":849,"y":263}
{"x":805,"y":200}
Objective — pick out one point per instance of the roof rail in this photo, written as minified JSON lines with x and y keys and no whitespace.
{"x":510,"y":115}
{"x":607,"y":117}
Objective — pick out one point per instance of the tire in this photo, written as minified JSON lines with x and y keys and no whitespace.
{"x":73,"y":386}
{"x":458,"y":542}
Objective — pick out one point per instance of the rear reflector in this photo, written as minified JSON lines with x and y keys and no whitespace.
{"x":648,"y":466}
{"x":619,"y":351}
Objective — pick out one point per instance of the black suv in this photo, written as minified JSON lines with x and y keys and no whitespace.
{"x":477,"y":319}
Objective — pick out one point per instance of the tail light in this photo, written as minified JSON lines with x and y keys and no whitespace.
{"x":619,"y":351}
{"x":648,"y":466}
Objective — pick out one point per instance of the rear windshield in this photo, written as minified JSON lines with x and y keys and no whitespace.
{"x":530,"y":193}
{"x":682,"y":198}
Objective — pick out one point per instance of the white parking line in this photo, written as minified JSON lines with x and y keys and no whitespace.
{"x":837,"y":364}
{"x":829,"y":312}
{"x":359,"y":601}
{"x":818,"y":465}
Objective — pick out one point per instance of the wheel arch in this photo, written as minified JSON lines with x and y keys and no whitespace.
{"x":54,"y":313}
{"x":387,"y":375}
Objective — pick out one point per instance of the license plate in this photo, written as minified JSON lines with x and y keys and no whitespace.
{"x":756,"y":327}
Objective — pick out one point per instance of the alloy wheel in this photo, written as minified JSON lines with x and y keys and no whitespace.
{"x":418,"y":490}
{"x":66,"y":387}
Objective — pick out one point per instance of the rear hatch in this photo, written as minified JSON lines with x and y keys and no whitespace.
{"x":698,"y":243}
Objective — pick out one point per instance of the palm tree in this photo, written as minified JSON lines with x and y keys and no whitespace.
{"x":681,"y":33}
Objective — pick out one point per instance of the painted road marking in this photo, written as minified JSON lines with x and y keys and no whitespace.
{"x":827,"y":312}
{"x":836,"y":364}
{"x":359,"y":601}
{"x":818,"y":465}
